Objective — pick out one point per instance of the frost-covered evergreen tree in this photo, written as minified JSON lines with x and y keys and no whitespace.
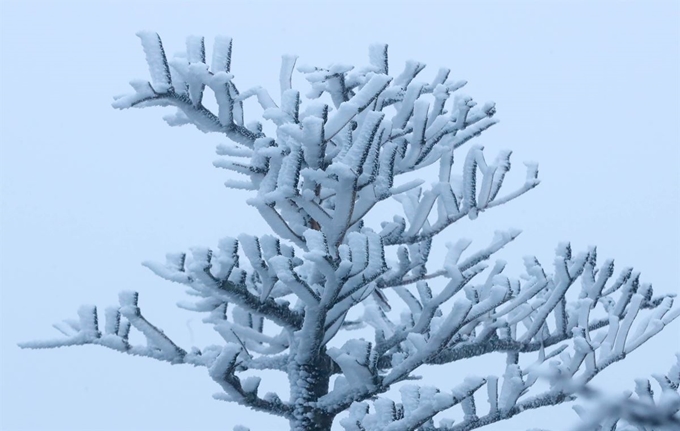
{"x":279,"y":300}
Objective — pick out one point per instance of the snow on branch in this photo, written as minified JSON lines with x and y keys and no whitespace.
{"x":641,"y":409}
{"x":116,"y":335}
{"x":279,"y":300}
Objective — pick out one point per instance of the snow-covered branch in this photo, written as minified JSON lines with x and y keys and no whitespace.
{"x":644,"y":411}
{"x":119,"y":321}
{"x":244,"y":392}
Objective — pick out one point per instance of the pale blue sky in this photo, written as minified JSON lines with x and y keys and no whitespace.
{"x":590,"y":91}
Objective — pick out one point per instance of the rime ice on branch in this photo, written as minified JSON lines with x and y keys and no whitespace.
{"x":279,"y":300}
{"x":639,"y":412}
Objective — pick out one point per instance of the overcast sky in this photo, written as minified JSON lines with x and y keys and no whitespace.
{"x":590,"y":91}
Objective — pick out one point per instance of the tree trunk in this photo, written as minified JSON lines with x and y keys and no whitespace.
{"x":311,"y":384}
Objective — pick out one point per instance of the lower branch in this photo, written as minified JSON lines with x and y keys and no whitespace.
{"x":547,"y":399}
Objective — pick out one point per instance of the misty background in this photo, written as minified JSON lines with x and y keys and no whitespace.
{"x":590,"y":91}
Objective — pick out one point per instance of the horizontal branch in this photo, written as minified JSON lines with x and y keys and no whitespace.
{"x":268,"y":308}
{"x":202,"y":117}
{"x":471,"y":350}
{"x":547,"y":399}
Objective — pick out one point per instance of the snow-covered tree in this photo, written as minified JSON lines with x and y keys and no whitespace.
{"x":279,"y":300}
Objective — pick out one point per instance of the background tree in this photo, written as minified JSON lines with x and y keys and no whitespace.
{"x":279,"y":301}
